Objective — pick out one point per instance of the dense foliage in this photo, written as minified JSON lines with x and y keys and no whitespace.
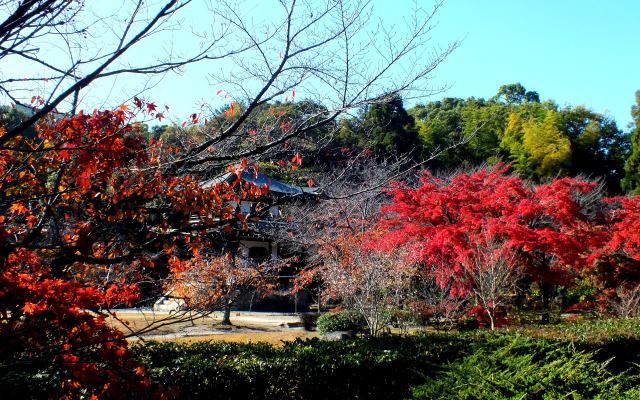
{"x":341,"y":321}
{"x":541,"y":139}
{"x":479,"y":233}
{"x":360,"y":368}
{"x":445,"y":366}
{"x":517,"y":367}
{"x":631,"y":180}
{"x":584,"y":359}
{"x":87,"y":213}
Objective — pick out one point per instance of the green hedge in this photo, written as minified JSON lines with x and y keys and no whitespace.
{"x":478,"y":365}
{"x":363,"y":368}
{"x":576,"y":361}
{"x":341,"y":321}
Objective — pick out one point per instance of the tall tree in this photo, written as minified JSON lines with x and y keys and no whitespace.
{"x":392,"y":128}
{"x":559,"y":141}
{"x":598,"y":147}
{"x":89,"y":206}
{"x":631,"y":181}
{"x":516,"y":93}
{"x":453,"y":226}
{"x":548,"y":150}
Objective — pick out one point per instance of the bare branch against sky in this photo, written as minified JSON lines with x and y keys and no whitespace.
{"x":333,"y":51}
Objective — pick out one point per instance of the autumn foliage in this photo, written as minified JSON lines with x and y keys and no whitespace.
{"x":374,"y":283}
{"x":213,"y":282}
{"x":88,"y":210}
{"x":460,"y":228}
{"x":487,"y":239}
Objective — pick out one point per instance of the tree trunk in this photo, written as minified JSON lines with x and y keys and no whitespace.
{"x":491,"y":319}
{"x":546,"y":291}
{"x":226,"y":317}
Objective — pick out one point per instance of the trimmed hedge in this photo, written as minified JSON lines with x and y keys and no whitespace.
{"x":477,"y":365}
{"x":341,"y":321}
{"x":363,"y":368}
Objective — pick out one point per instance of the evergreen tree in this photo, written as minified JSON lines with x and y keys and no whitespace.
{"x":392,"y":128}
{"x":631,"y":181}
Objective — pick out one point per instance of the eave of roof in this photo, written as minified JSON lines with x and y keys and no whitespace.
{"x":260,"y":179}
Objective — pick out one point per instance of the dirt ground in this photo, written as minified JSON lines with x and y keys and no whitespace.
{"x":247,"y":326}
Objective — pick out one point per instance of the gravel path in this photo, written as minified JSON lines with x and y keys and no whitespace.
{"x":244,"y":322}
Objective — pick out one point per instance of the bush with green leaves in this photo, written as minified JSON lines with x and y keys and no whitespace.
{"x":471,"y":365}
{"x":519,"y":367}
{"x":309,"y":320}
{"x":341,"y":321}
{"x":362,"y":368}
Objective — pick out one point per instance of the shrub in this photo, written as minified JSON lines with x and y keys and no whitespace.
{"x":473,"y":365}
{"x":467,"y":324}
{"x":341,"y":321}
{"x":361,"y":368}
{"x":518,"y":367}
{"x":596,"y":331}
{"x":309,"y":320}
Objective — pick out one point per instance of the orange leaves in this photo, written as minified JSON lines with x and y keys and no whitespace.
{"x":285,"y":126}
{"x":296,"y":161}
{"x":102,"y":203}
{"x":121,"y":295}
{"x":31,"y":308}
{"x":94,"y":144}
{"x":31,"y":220}
{"x":206,"y":282}
{"x":18,"y":208}
{"x":96,"y":203}
{"x":232,"y":110}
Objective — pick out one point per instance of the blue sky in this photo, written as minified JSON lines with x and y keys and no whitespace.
{"x":575,"y":52}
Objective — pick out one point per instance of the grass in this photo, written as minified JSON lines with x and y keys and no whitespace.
{"x":277,"y":338}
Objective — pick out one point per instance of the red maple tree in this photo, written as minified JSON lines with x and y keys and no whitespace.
{"x":446,"y":222}
{"x":87,"y":210}
{"x":615,"y":258}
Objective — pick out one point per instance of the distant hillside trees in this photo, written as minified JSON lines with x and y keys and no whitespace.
{"x":541,"y":140}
